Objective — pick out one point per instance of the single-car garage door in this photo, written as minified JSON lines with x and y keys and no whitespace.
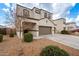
{"x":44,"y":30}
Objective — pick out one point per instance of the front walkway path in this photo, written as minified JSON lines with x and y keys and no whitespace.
{"x":69,"y":40}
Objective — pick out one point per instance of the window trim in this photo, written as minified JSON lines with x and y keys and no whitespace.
{"x":37,"y":11}
{"x":25,"y":13}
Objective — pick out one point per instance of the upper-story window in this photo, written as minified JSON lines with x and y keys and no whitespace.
{"x":45,"y":15}
{"x":64,"y":22}
{"x":25,"y":13}
{"x":37,"y":11}
{"x":49,"y":16}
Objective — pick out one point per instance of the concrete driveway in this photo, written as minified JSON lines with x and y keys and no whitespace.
{"x":69,"y":40}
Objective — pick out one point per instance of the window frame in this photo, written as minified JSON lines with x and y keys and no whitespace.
{"x":25,"y":13}
{"x":37,"y":11}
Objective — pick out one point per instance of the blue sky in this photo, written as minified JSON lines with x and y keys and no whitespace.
{"x":74,"y":11}
{"x":69,"y":11}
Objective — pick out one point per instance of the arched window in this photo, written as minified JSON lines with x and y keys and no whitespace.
{"x":45,"y":15}
{"x":37,"y":11}
{"x":25,"y":13}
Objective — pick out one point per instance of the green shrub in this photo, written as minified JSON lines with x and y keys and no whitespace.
{"x":64,"y":32}
{"x":53,"y":51}
{"x":28,"y":37}
{"x":1,"y":37}
{"x":11,"y":34}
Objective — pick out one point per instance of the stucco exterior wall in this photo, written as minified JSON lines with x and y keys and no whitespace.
{"x":45,"y":22}
{"x":59,"y":25}
{"x":70,"y":26}
{"x":35,"y":15}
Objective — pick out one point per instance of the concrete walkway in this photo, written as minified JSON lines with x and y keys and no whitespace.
{"x":69,"y":40}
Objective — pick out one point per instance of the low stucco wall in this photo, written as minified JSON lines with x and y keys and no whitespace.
{"x":19,"y":35}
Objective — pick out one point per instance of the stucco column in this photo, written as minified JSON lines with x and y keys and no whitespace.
{"x":21,"y":30}
{"x":18,"y":28}
{"x":37,"y":32}
{"x":18,"y":34}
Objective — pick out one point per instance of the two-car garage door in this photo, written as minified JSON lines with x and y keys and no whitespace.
{"x":44,"y":30}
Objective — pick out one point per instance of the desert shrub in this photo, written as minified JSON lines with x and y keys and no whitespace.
{"x":64,"y":32}
{"x":53,"y":51}
{"x":1,"y":37}
{"x":28,"y":37}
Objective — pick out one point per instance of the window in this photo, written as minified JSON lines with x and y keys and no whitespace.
{"x":37,"y":11}
{"x":64,"y":28}
{"x":63,"y":22}
{"x":45,"y":15}
{"x":49,"y":16}
{"x":25,"y":13}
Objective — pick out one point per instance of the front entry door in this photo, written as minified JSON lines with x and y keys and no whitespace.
{"x":26,"y":31}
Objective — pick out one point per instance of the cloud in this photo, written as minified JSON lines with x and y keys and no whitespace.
{"x":2,"y":18}
{"x":56,"y":16}
{"x":5,"y":9}
{"x":73,"y":4}
{"x":61,"y":9}
{"x":45,"y":6}
{"x":29,"y":5}
{"x":77,"y":19}
{"x":69,"y":19}
{"x":35,"y":5}
{"x":7,"y":4}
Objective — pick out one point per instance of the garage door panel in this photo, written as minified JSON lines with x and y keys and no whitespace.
{"x":44,"y":30}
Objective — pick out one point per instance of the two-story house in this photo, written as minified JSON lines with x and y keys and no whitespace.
{"x":70,"y":26}
{"x":37,"y":21}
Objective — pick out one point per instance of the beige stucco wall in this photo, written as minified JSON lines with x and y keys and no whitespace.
{"x":19,"y":10}
{"x":34,"y":14}
{"x":71,"y":26}
{"x":59,"y":25}
{"x":45,"y":22}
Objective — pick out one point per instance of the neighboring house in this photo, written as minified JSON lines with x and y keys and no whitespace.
{"x":70,"y":26}
{"x":37,"y":21}
{"x":6,"y":30}
{"x":62,"y":24}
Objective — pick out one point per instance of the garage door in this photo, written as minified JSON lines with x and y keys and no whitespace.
{"x":44,"y":30}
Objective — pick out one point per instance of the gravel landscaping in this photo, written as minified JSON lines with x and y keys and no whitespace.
{"x":16,"y":47}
